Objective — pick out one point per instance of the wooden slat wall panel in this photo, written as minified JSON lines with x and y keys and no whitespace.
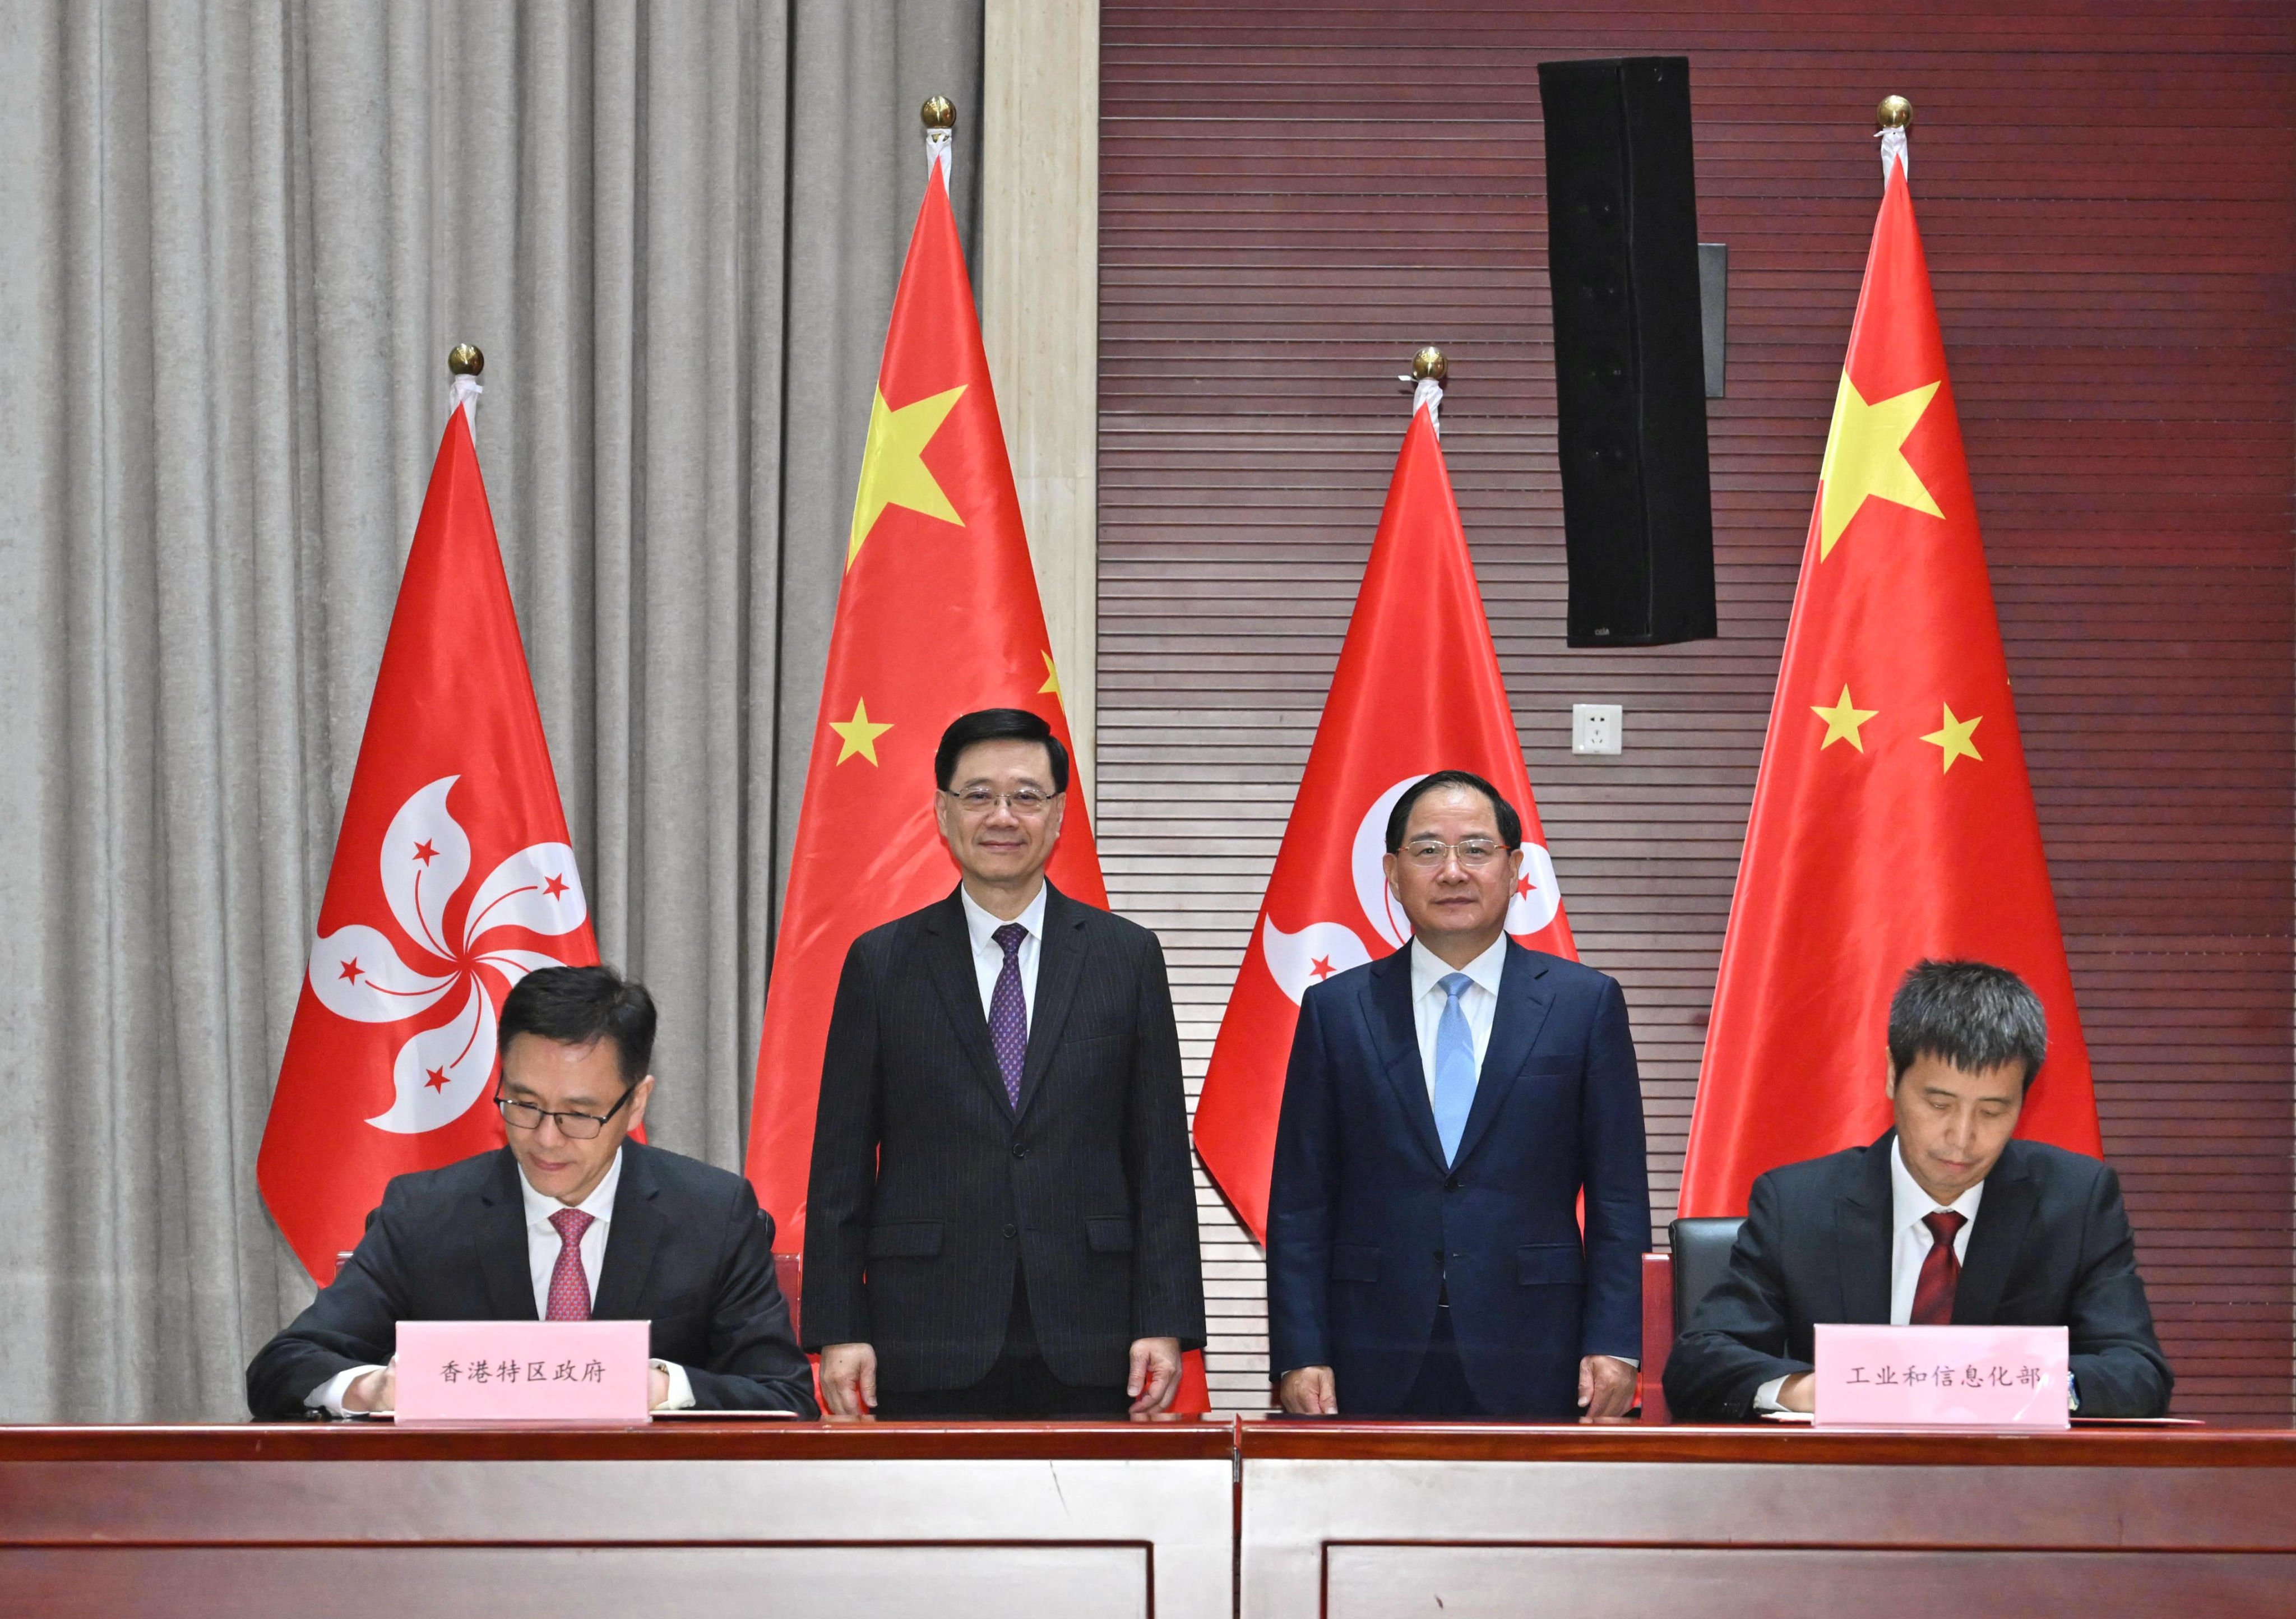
{"x":2104,"y":193}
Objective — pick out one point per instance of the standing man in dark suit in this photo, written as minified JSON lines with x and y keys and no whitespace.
{"x":1001,"y":1220}
{"x":1444,"y":1107}
{"x":571,"y":1221}
{"x":1945,"y":1221}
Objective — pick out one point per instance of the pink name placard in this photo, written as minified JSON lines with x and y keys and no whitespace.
{"x":454,"y":1373}
{"x":1942,"y":1376}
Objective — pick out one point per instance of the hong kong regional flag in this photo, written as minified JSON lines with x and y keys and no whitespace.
{"x":1892,"y":819}
{"x":452,"y":880}
{"x":937,"y":616}
{"x":1417,"y":690}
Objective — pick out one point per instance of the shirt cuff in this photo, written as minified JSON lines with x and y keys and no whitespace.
{"x":1765,"y":1398}
{"x":680,"y":1397}
{"x":329,"y":1395}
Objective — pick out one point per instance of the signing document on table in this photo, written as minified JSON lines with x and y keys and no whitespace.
{"x":1943,"y":1222}
{"x":571,"y":1221}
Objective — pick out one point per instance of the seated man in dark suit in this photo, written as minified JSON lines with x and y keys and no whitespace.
{"x":1944,"y":1220}
{"x":571,"y":1220}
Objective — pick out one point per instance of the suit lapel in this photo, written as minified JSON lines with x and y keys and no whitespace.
{"x":1059,"y":964}
{"x":2002,"y":1214}
{"x":1523,"y":1005}
{"x":1861,"y":1238}
{"x":948,"y":962}
{"x":499,"y":1235}
{"x":630,"y":1240}
{"x":1387,"y":1003}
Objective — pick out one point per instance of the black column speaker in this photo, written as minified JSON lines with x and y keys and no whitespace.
{"x":1629,"y":357}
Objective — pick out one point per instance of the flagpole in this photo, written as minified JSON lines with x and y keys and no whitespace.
{"x":1891,"y":120}
{"x":463,"y":364}
{"x":938,"y":115}
{"x":1430,"y":371}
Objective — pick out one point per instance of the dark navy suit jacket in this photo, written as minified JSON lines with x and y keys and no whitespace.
{"x":1367,"y":1227}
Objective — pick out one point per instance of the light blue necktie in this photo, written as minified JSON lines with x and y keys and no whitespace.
{"x":1454,"y":1067}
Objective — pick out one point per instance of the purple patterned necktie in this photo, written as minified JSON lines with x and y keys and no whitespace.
{"x":1008,"y":1013}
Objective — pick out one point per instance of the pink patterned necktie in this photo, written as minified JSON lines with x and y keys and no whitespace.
{"x":569,"y":1286}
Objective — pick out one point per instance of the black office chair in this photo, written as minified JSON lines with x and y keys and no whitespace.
{"x":1701,"y":1257}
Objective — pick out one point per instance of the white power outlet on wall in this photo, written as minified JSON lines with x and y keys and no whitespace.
{"x":1597,"y":728}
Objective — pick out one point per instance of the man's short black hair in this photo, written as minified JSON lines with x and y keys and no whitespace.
{"x":1970,"y":1014}
{"x":575,"y":1006}
{"x":1399,"y":818}
{"x":997,"y":725}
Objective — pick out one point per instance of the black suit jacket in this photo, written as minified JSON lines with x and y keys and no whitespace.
{"x":1367,"y":1227}
{"x":2051,"y":1246}
{"x":688,"y":1250}
{"x":929,"y":1192}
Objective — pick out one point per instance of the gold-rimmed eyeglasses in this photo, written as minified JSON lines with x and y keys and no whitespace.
{"x":1026,"y":802}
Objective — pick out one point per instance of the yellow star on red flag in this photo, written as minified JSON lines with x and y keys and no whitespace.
{"x":1052,"y":677}
{"x":893,"y":472}
{"x":859,"y":734}
{"x":1842,"y":720}
{"x":1953,"y":738}
{"x":1866,"y":456}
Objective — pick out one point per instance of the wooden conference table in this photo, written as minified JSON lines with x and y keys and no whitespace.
{"x":708,"y":1518}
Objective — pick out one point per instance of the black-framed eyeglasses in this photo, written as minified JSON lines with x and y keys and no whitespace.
{"x":574,"y":1126}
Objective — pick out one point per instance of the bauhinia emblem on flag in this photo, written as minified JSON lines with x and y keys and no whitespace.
{"x":1417,"y":689}
{"x":1892,"y":819}
{"x":452,"y":880}
{"x":938,"y":616}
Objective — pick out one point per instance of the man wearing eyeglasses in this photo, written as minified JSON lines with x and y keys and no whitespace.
{"x":1445,"y":1108}
{"x":1001,"y":1221}
{"x":571,"y":1220}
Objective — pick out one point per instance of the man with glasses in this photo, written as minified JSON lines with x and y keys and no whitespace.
{"x":571,"y":1222}
{"x":1445,"y":1109}
{"x":1001,"y":1221}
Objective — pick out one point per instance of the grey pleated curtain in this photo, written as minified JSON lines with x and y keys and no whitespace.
{"x":236,"y":241}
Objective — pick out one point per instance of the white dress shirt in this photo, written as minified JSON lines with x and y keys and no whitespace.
{"x":1479,"y":1003}
{"x":542,"y":1244}
{"x":989,"y":955}
{"x":1910,"y":1243}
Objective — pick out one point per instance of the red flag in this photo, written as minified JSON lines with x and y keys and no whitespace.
{"x":938,"y":616}
{"x":452,"y":880}
{"x":1417,"y":690}
{"x":1892,"y":819}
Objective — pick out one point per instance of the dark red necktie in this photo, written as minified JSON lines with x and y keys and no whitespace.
{"x":1940,"y":1270}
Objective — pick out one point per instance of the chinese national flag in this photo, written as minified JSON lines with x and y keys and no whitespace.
{"x":1892,"y":819}
{"x":1417,"y":690}
{"x":938,"y":616}
{"x":452,"y":880}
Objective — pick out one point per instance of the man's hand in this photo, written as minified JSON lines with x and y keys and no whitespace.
{"x":657,"y":1387}
{"x":1606,"y":1387}
{"x":1310,"y":1390}
{"x":1798,"y":1392}
{"x":375,"y":1391}
{"x":848,"y":1378}
{"x":1154,"y":1378}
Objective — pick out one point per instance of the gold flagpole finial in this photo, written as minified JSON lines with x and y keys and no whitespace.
{"x":1429,"y":362}
{"x":938,"y":112}
{"x":463,"y":359}
{"x":1895,"y":112}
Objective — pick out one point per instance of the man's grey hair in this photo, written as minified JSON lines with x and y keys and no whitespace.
{"x":1968,"y":1013}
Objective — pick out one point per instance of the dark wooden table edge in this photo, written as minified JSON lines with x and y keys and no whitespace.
{"x":1343,"y":1440}
{"x":1207,"y":1439}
